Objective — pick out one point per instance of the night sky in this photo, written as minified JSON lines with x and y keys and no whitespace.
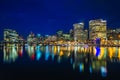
{"x":48,"y":16}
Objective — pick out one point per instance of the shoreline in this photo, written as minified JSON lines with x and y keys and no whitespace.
{"x":63,"y":45}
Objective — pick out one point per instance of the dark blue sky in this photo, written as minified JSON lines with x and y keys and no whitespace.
{"x":48,"y":16}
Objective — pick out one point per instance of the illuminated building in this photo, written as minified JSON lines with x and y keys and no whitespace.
{"x":21,"y":40}
{"x":31,"y":38}
{"x":113,"y":34}
{"x":118,"y":30}
{"x":66,"y":37}
{"x":60,"y":35}
{"x":97,"y":29}
{"x":71,"y":32}
{"x":53,"y":38}
{"x":80,"y":34}
{"x":85,"y":35}
{"x":39,"y":38}
{"x":10,"y":35}
{"x":49,"y":38}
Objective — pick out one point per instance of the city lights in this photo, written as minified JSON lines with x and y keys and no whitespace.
{"x":79,"y":47}
{"x":97,"y":34}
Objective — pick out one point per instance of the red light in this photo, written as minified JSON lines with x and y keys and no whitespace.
{"x":33,"y":56}
{"x":20,"y":53}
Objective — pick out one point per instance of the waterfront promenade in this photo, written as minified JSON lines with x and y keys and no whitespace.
{"x":44,"y":44}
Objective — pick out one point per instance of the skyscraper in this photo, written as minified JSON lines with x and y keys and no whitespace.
{"x":97,"y":29}
{"x":80,"y":34}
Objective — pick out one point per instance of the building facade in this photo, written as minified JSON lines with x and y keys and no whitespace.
{"x":10,"y":35}
{"x":66,"y":37}
{"x":80,"y":34}
{"x":113,"y":36}
{"x":97,"y":29}
{"x":31,"y":38}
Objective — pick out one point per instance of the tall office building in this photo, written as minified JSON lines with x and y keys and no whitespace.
{"x":97,"y":29}
{"x":10,"y":35}
{"x":31,"y":38}
{"x":80,"y":34}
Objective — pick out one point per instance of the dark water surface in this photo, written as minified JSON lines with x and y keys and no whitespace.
{"x":55,"y":62}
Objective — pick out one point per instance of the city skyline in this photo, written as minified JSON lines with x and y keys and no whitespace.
{"x":98,"y":33}
{"x":46,"y":17}
{"x":60,"y":39}
{"x":95,"y":23}
{"x":53,"y":33}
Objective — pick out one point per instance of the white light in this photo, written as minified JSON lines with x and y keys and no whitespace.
{"x":80,"y":23}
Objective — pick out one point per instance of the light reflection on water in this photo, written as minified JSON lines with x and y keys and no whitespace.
{"x":38,"y":53}
{"x":96,"y":57}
